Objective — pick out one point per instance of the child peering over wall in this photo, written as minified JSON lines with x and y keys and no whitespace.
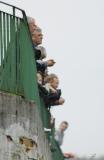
{"x":50,"y":92}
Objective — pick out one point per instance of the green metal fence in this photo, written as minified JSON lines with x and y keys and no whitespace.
{"x":17,"y":65}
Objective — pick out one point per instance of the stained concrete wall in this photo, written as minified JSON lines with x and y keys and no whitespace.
{"x":21,"y":133}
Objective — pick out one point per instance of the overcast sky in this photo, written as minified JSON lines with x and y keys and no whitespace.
{"x":74,"y":36}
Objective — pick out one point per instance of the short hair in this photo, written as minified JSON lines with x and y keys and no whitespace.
{"x":37,"y":29}
{"x":65,"y":122}
{"x":50,"y":77}
{"x":30,"y":19}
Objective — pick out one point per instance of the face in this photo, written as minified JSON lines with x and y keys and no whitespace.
{"x":63,"y":127}
{"x":54,"y":83}
{"x":32,"y":26}
{"x":37,"y":37}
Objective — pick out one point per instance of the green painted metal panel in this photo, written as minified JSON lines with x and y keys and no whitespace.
{"x":17,"y":63}
{"x":57,"y":154}
{"x":45,"y":114}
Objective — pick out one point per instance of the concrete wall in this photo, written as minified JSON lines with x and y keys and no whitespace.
{"x":21,"y":133}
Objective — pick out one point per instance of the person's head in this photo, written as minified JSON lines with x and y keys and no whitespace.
{"x":32,"y":24}
{"x":37,"y":36}
{"x":39,"y":78}
{"x":63,"y":126}
{"x":53,"y":80}
{"x":43,"y":52}
{"x":69,"y":155}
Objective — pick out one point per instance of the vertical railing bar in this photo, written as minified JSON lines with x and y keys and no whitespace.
{"x":7,"y":31}
{"x":13,"y":11}
{"x":15,"y":24}
{"x":7,"y":57}
{"x":13,"y":56}
{"x":18,"y":54}
{"x":10,"y":56}
{"x":17,"y":48}
{"x":1,"y":39}
{"x":4,"y":34}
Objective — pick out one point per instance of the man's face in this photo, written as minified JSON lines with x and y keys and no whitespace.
{"x":54,"y":83}
{"x":63,"y":127}
{"x":37,"y":37}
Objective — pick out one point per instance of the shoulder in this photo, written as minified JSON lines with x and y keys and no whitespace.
{"x":57,"y":131}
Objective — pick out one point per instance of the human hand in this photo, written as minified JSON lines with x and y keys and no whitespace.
{"x":50,"y":62}
{"x":53,"y":90}
{"x":61,"y":101}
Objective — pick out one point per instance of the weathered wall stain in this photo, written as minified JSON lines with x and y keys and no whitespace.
{"x":21,"y":134}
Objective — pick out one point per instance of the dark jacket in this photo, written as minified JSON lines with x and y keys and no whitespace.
{"x":41,"y":65}
{"x":49,"y":97}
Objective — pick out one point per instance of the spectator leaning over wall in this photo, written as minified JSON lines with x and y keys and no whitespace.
{"x":59,"y":134}
{"x":54,"y":94}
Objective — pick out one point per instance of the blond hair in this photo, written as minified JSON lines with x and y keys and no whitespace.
{"x":50,"y":77}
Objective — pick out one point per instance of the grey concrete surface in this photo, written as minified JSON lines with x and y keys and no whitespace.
{"x":21,"y":132}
